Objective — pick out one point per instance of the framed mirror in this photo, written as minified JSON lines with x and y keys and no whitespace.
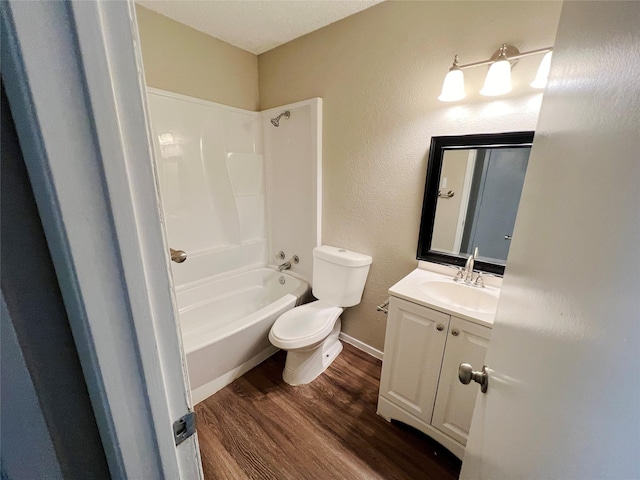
{"x":471,"y":198}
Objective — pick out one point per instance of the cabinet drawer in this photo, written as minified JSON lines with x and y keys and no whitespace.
{"x":414,"y":345}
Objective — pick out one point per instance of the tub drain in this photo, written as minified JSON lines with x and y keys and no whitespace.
{"x":282,"y":280}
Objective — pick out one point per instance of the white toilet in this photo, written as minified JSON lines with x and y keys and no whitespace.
{"x":310,"y":332}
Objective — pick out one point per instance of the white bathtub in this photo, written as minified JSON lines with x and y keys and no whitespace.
{"x":225,"y":324}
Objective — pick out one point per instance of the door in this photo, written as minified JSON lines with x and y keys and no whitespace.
{"x":492,"y":213}
{"x":415,"y":343}
{"x":75,"y":84}
{"x":466,"y":342}
{"x":563,"y":399}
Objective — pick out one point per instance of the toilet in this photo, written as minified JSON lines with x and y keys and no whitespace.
{"x":309,"y":333}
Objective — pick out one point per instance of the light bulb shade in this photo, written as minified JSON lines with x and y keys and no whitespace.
{"x":453,"y":86}
{"x":543,"y":72}
{"x":498,"y":80}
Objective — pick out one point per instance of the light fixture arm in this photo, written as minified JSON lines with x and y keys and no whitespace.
{"x":509,"y":57}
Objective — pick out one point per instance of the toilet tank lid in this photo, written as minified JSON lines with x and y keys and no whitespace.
{"x":341,"y":256}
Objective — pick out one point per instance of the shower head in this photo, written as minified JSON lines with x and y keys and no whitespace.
{"x":276,"y":121}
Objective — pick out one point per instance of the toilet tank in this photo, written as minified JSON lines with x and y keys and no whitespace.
{"x":339,"y":275}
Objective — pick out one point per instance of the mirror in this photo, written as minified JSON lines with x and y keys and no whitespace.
{"x":471,"y":198}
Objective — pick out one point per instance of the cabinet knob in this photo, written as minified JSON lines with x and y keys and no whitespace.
{"x":466,"y":374}
{"x":455,"y":332}
{"x":440,"y":327}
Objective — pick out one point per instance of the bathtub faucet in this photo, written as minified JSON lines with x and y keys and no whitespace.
{"x":287,"y":265}
{"x":284,"y":266}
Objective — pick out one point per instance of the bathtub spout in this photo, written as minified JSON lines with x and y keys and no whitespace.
{"x":287,"y":265}
{"x":284,"y":266}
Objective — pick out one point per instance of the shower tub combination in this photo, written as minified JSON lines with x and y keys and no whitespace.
{"x":229,"y":203}
{"x":225,"y":324}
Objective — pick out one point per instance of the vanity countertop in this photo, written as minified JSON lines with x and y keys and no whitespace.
{"x":415,"y":288}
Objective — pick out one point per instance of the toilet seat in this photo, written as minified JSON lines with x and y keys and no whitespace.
{"x":304,"y":325}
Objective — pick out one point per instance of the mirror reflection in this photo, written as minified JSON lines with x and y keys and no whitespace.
{"x":478,"y":197}
{"x":471,"y":198}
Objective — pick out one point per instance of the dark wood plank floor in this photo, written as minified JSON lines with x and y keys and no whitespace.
{"x":261,"y":428}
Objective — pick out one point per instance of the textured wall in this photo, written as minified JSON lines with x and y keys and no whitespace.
{"x":379,"y":73}
{"x":180,"y":59}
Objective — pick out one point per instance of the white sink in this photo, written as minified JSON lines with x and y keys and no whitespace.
{"x":483,"y":300}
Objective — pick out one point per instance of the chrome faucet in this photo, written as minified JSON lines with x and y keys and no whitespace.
{"x":466,"y":275}
{"x":284,"y":266}
{"x":468,"y":268}
{"x":287,"y":265}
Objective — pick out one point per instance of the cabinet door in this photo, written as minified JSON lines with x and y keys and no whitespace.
{"x":414,"y":345}
{"x":466,"y":342}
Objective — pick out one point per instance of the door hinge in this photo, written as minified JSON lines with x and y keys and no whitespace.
{"x":184,"y":427}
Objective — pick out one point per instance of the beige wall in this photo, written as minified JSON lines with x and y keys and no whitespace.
{"x":180,"y":59}
{"x":379,"y":73}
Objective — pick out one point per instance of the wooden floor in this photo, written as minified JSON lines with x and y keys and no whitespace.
{"x":261,"y":428}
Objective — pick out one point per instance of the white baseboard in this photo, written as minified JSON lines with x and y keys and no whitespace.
{"x":374,"y":352}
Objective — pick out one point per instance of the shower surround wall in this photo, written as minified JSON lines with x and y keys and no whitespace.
{"x":293,"y":175}
{"x":212,"y":174}
{"x":210,"y":168}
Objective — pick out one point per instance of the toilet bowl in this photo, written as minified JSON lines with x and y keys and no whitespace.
{"x":309,"y":333}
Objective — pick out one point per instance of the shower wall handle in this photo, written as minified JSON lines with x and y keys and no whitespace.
{"x":177,"y":256}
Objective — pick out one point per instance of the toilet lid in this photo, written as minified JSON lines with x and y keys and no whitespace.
{"x":304,"y":325}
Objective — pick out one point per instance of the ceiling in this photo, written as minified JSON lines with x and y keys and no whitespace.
{"x":257,"y":25}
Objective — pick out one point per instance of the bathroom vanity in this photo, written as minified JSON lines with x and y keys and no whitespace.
{"x":434,"y":325}
{"x":471,"y":197}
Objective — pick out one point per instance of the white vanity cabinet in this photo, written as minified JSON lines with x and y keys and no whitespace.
{"x":466,"y":342}
{"x":419,"y":385}
{"x":416,"y":337}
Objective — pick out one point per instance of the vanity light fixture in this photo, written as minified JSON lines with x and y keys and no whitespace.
{"x":453,"y":86}
{"x":498,"y":79}
{"x":543,"y":72}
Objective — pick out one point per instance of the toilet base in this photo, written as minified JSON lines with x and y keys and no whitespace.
{"x":305,"y":365}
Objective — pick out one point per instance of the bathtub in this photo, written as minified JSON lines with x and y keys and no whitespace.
{"x":225,"y":324}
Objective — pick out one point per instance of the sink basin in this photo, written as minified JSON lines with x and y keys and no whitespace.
{"x":483,"y":300}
